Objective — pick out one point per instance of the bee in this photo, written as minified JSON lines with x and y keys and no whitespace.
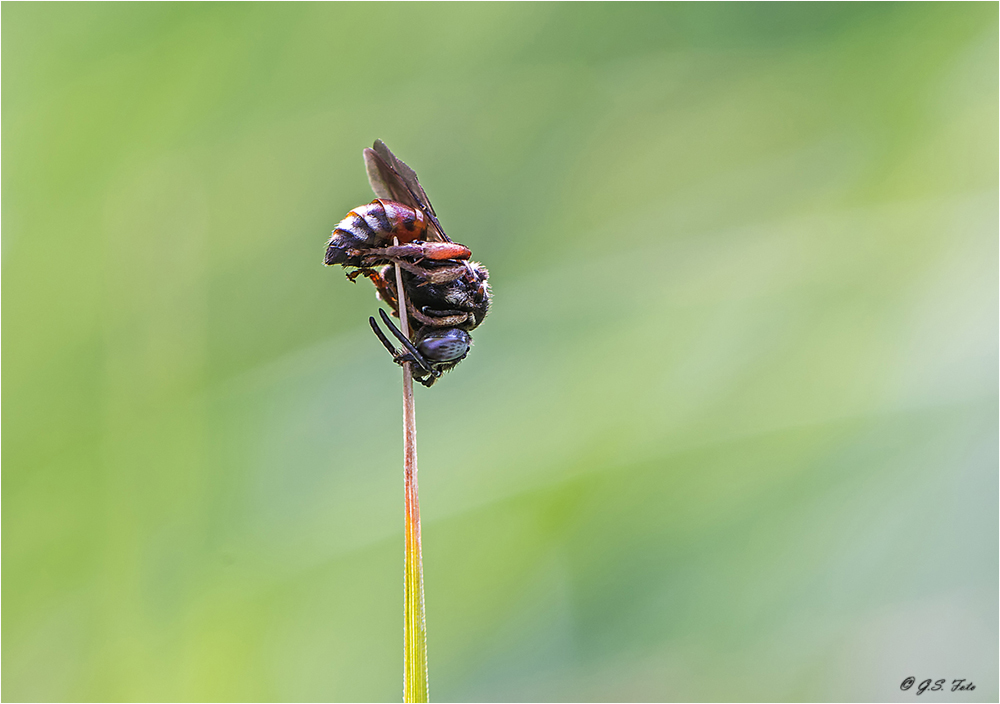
{"x":447,"y":295}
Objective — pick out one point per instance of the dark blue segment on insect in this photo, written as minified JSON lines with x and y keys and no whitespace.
{"x":445,"y":345}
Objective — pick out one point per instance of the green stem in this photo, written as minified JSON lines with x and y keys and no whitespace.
{"x":414,"y":622}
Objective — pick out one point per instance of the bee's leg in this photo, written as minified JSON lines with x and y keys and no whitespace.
{"x":435,"y":251}
{"x":398,"y":251}
{"x":423,"y":376}
{"x":375,"y":257}
{"x":437,"y":322}
{"x":361,"y":271}
{"x":435,"y":274}
{"x":428,"y":274}
{"x":385,"y":290}
{"x":427,"y":381}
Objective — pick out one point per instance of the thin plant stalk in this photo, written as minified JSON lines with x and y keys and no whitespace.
{"x":414,"y":622}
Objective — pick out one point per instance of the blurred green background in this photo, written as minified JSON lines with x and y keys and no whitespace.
{"x":730,"y":431}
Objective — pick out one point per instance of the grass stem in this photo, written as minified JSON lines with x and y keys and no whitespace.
{"x":414,"y":622}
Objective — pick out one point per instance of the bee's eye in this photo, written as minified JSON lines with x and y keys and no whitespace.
{"x":446,"y":345}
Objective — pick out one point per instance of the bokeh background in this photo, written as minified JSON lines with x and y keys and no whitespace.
{"x":729,"y":433}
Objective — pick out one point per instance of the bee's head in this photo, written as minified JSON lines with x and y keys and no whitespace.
{"x":444,"y":344}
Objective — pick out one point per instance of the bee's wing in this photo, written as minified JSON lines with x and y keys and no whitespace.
{"x":391,"y":179}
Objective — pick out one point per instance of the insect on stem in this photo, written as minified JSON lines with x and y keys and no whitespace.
{"x":449,"y":297}
{"x":414,"y":623}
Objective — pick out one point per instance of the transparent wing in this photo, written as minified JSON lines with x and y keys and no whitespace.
{"x":391,"y":179}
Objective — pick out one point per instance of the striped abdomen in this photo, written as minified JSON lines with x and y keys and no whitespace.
{"x":374,"y":225}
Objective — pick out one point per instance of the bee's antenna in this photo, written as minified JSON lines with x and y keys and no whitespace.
{"x":382,"y":338}
{"x":417,"y":357}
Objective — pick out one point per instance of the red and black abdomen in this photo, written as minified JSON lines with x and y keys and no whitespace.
{"x":373,"y":225}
